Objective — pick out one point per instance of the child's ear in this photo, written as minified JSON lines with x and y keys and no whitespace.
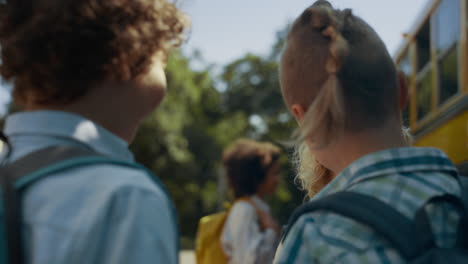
{"x":298,"y":112}
{"x":403,"y":90}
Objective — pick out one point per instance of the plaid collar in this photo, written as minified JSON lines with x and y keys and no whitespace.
{"x":390,"y":161}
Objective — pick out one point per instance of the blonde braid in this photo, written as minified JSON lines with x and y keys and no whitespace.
{"x":325,"y":117}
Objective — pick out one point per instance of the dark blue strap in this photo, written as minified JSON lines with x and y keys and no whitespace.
{"x":424,"y":229}
{"x":367,"y":210}
{"x":19,"y":171}
{"x":11,"y":230}
{"x":464,"y":184}
{"x":44,"y":158}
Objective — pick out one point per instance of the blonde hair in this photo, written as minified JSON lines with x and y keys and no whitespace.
{"x":336,"y":67}
{"x":340,"y":71}
{"x":326,"y":114}
{"x":310,"y":174}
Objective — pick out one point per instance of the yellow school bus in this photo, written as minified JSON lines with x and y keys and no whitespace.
{"x":434,"y":58}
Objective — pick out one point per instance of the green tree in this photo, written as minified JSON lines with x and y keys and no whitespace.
{"x":252,"y":88}
{"x":182,"y":142}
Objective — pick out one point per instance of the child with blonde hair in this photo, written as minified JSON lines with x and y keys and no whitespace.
{"x":341,"y":85}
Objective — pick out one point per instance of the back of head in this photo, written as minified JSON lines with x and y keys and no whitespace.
{"x":54,"y":51}
{"x":336,"y":67}
{"x":247,"y":162}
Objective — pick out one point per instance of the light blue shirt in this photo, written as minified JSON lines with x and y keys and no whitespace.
{"x":106,"y":214}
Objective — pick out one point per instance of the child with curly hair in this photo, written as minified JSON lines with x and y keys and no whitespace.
{"x":86,"y":73}
{"x":250,"y":234}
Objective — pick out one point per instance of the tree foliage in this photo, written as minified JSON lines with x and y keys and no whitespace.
{"x":182,"y":141}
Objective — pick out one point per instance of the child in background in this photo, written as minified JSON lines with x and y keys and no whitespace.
{"x":250,"y":234}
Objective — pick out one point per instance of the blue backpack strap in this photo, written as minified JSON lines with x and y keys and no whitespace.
{"x":464,"y":183}
{"x":37,"y":165}
{"x":14,"y":178}
{"x":370,"y":211}
{"x":424,"y":230}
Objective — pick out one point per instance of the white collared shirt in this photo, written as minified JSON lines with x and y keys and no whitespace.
{"x":242,"y":239}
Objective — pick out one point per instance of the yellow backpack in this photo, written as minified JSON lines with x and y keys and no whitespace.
{"x":208,"y":246}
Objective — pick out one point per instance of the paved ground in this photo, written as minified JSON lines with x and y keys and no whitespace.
{"x":187,"y":257}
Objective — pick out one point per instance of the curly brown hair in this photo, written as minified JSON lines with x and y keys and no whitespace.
{"x":55,"y":51}
{"x":247,"y":163}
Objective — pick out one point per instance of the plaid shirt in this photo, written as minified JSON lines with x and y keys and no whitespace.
{"x":405,"y":178}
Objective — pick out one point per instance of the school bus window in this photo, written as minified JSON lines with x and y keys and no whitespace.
{"x":446,"y":25}
{"x":424,"y":94}
{"x":448,"y":75}
{"x":423,"y":46}
{"x":446,"y":33}
{"x":405,"y":67}
{"x":424,"y":72}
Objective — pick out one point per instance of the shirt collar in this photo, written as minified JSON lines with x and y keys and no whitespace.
{"x":68,"y":126}
{"x":262,"y":205}
{"x":390,"y":161}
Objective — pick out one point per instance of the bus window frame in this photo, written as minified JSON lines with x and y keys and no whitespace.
{"x":417,"y":71}
{"x":438,"y":57}
{"x":439,"y":60}
{"x":428,"y":67}
{"x":463,"y":71}
{"x":409,"y":44}
{"x":462,"y":52}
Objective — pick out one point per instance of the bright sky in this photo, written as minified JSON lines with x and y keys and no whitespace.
{"x":224,"y":30}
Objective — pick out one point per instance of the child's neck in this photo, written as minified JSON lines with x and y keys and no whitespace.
{"x":354,"y":146}
{"x":111,"y":107}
